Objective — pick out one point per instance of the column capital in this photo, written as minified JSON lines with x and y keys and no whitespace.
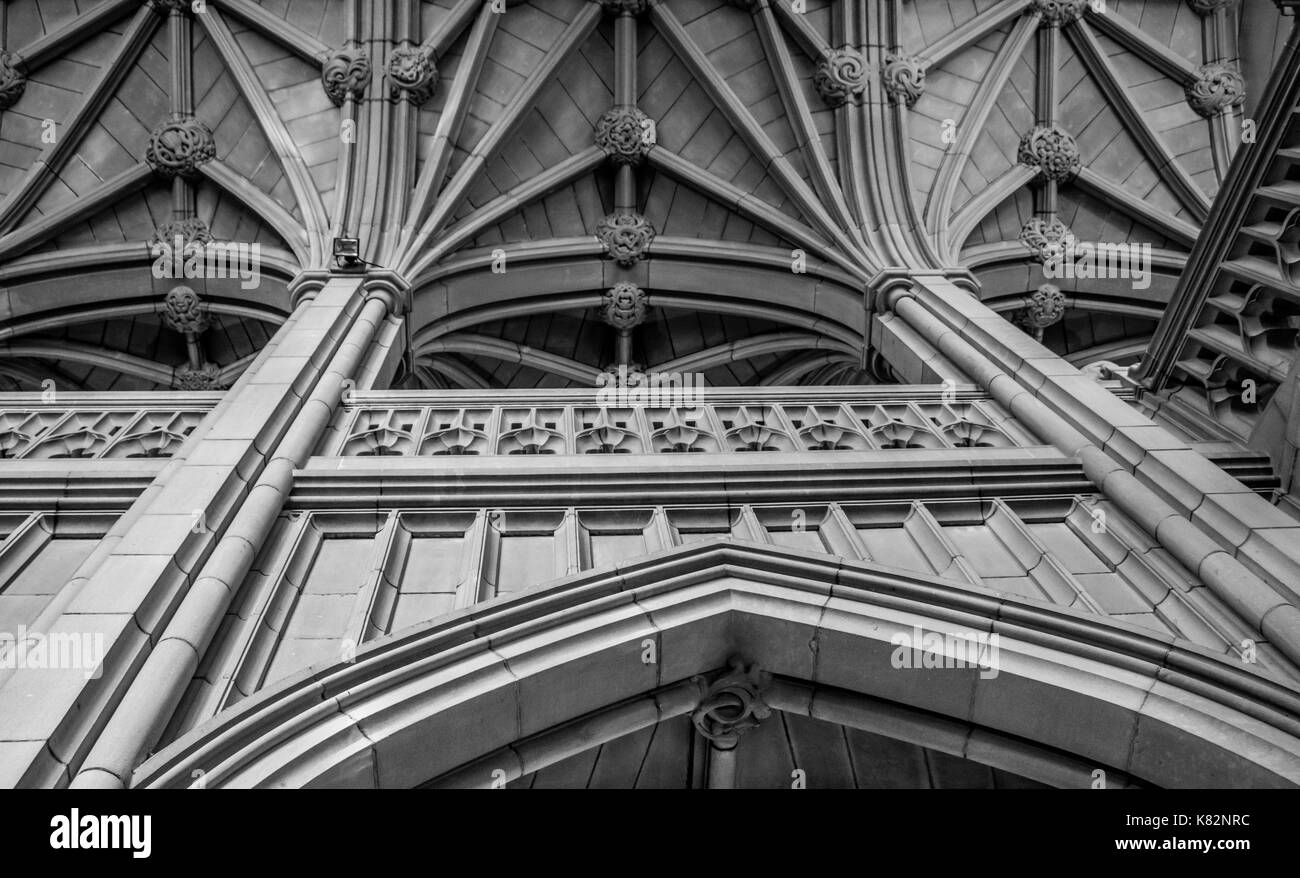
{"x":305,"y":285}
{"x":892,"y":283}
{"x":391,"y":287}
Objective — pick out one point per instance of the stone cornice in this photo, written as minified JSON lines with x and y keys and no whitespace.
{"x":796,"y":478}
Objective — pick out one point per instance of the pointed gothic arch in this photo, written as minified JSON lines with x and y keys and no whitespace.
{"x":505,"y":677}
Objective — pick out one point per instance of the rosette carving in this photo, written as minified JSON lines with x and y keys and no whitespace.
{"x":1045,"y":238}
{"x":625,"y":134}
{"x":903,"y":77}
{"x":1219,"y":87}
{"x":178,"y":146}
{"x":841,"y":75}
{"x":626,"y":237}
{"x":1052,"y":151}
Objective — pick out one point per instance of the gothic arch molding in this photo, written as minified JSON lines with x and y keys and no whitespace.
{"x":436,"y":698}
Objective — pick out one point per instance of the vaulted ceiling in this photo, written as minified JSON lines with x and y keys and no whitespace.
{"x":788,"y":152}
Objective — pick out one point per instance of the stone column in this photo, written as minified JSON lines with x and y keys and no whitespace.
{"x":1202,"y":516}
{"x":181,"y":528}
{"x":140,"y":718}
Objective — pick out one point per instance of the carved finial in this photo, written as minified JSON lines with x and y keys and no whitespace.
{"x":1052,"y":151}
{"x":1043,"y":307}
{"x":626,"y":236}
{"x":731,"y":704}
{"x":903,"y":77}
{"x":1046,"y":238}
{"x":623,"y":306}
{"x":205,"y":377}
{"x":178,"y":146}
{"x":625,"y":134}
{"x":13,"y":79}
{"x":1218,"y":87}
{"x":184,"y":311}
{"x":411,"y":69}
{"x":345,"y":74}
{"x":841,"y":75}
{"x":1059,"y":12}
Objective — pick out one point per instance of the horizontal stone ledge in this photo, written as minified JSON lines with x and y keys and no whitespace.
{"x":710,"y":395}
{"x":723,"y":478}
{"x":92,"y":489}
{"x":772,"y":461}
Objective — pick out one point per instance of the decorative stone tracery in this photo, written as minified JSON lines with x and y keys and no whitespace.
{"x":625,"y":134}
{"x":903,"y":77}
{"x":13,"y":79}
{"x":1219,"y":87}
{"x":178,"y":146}
{"x":1052,"y":151}
{"x":345,"y":74}
{"x":626,"y":236}
{"x":411,"y":69}
{"x":841,"y":75}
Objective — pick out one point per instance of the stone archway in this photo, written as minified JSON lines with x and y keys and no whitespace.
{"x":1066,"y":694}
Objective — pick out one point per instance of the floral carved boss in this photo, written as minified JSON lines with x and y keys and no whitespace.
{"x":178,"y":146}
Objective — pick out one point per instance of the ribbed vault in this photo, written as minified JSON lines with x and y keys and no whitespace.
{"x":794,"y":154}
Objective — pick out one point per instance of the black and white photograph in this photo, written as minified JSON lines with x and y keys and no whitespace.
{"x":650,"y":394}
